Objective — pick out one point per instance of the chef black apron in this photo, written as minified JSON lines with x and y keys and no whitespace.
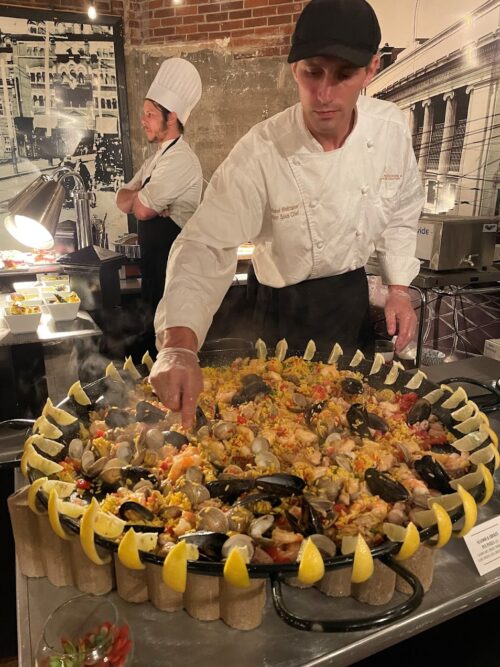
{"x":327,"y":310}
{"x":156,"y":237}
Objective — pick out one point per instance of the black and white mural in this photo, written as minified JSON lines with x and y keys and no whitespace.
{"x":440,"y":64}
{"x":62,"y":101}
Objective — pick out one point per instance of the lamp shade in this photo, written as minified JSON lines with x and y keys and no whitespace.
{"x":34,"y":213}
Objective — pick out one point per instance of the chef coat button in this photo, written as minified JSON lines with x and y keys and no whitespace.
{"x":319,"y":245}
{"x":314,"y":203}
{"x":369,"y":143}
{"x":364,"y":189}
{"x":296,"y":161}
{"x":358,"y":232}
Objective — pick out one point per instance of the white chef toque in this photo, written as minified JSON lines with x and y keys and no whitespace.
{"x":177,"y":87}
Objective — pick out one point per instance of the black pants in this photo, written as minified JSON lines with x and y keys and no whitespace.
{"x":327,"y":310}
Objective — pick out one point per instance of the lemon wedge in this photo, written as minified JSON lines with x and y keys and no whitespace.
{"x":335,"y":354}
{"x":434,"y":395}
{"x":310,"y":350}
{"x":409,"y":537}
{"x":471,"y":424}
{"x":32,"y":494}
{"x":60,"y":416}
{"x":416,"y":380}
{"x":43,"y":426}
{"x":493,"y":436}
{"x":281,"y":349}
{"x":112,"y":372}
{"x":108,"y":525}
{"x":128,"y":551}
{"x":444,"y":525}
{"x":392,"y":375}
{"x":260,"y":349}
{"x":466,"y":411}
{"x":131,"y":369}
{"x":485,"y":455}
{"x":70,"y":509}
{"x":50,"y":447}
{"x":54,"y":520}
{"x":76,"y":391}
{"x":378,"y":362}
{"x":235,"y":569}
{"x":458,"y":396}
{"x":174,"y":570}
{"x":34,"y":460}
{"x":362,"y":567}
{"x":470,"y":511}
{"x":489,"y":484}
{"x":312,"y":567}
{"x":357,"y":359}
{"x":146,"y":360}
{"x":63,"y":489}
{"x":87,"y":534}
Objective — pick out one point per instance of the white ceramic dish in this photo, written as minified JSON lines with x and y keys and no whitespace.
{"x":22,"y":323}
{"x":61,"y":312}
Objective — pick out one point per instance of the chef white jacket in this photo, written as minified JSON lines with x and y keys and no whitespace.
{"x":310,"y":213}
{"x":176,"y":181}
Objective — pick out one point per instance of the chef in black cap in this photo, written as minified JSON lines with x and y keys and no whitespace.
{"x":318,"y":188}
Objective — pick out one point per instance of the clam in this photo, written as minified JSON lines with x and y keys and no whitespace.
{"x":97,"y":467}
{"x":259,"y":445}
{"x":259,"y":526}
{"x":267,"y":460}
{"x":88,"y":459}
{"x":330,"y":487}
{"x":240,"y":542}
{"x":239,"y":519}
{"x":299,"y":402}
{"x":212,"y":519}
{"x":223,"y":430}
{"x":197,"y":493}
{"x":194,"y":474}
{"x":154,"y":439}
{"x":124,"y":451}
{"x":75,"y":449}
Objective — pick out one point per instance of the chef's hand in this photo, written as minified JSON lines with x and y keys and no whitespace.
{"x":400,"y":316}
{"x":176,"y":375}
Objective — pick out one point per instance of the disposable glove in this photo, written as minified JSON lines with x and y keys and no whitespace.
{"x":177,"y":380}
{"x":400,"y":317}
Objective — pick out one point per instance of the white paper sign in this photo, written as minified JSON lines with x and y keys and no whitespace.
{"x":483,"y":542}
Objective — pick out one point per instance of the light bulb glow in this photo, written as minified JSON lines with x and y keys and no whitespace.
{"x":92,"y":12}
{"x":29,"y":232}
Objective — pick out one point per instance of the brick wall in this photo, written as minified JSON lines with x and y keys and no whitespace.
{"x":261,"y":27}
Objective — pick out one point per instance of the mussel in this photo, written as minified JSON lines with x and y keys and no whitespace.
{"x":132,"y":512}
{"x":357,"y":418}
{"x":209,"y":543}
{"x":148,"y":413}
{"x":352,"y":386}
{"x":116,"y":418}
{"x":250,"y":391}
{"x":421,"y":410}
{"x":382,"y":485}
{"x":174,"y":438}
{"x":313,"y":410}
{"x":377,"y":423}
{"x":281,"y":484}
{"x":228,"y":490}
{"x":433,"y":474}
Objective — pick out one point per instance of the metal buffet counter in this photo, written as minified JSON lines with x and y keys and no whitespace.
{"x":177,"y":639}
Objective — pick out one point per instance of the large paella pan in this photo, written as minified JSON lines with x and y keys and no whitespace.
{"x":296,"y":467}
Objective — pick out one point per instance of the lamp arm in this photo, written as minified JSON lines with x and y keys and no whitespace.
{"x":65,"y":172}
{"x":82,"y":207}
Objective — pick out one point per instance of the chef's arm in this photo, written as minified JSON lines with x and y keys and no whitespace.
{"x":396,"y":252}
{"x":128,"y":201}
{"x":201,"y":267}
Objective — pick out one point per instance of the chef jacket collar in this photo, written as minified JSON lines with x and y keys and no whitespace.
{"x":162,"y":146}
{"x":312,"y":144}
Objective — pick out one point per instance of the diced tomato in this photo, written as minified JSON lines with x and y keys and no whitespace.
{"x":99,"y":434}
{"x":340,"y":507}
{"x":319,"y":391}
{"x":83,"y":484}
{"x":241,"y":419}
{"x":165,"y":465}
{"x":407,"y":401}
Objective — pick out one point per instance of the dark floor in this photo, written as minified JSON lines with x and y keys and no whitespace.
{"x":469,"y":640}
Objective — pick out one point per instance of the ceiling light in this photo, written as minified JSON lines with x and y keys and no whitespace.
{"x":92,"y":11}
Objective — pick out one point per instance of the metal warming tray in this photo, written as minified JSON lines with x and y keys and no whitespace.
{"x":445,"y":243}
